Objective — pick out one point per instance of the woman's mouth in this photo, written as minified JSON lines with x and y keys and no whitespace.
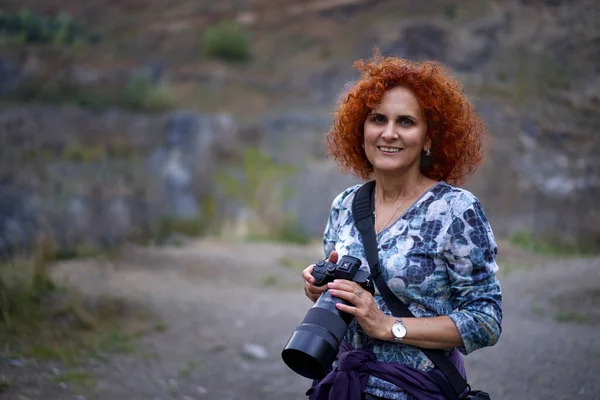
{"x":386,"y":149}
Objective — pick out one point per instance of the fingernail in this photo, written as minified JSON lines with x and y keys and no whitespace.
{"x":332,"y":291}
{"x":330,"y":284}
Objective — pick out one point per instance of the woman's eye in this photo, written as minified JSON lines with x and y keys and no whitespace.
{"x":378,"y":119}
{"x":405,"y":122}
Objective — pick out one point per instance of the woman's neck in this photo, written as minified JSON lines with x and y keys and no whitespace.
{"x":390,"y":187}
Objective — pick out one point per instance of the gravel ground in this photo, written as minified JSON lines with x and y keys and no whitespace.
{"x":228,"y":310}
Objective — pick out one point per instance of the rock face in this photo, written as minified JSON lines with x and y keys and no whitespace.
{"x":531,"y":68}
{"x":95,"y":179}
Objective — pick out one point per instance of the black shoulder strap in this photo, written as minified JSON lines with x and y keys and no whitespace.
{"x":363,"y":210}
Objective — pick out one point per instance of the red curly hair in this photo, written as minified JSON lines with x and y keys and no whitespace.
{"x":455,"y":131}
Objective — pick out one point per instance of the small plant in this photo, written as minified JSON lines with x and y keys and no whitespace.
{"x":138,"y":93}
{"x":81,"y":380}
{"x":23,"y":285}
{"x":269,"y":280}
{"x":549,"y":246}
{"x":450,"y":11}
{"x":161,"y":326}
{"x":228,"y":41}
{"x":30,"y":27}
{"x":189,"y":368}
{"x":188,"y":227}
{"x":293,"y":264}
{"x":291,"y":232}
{"x":42,"y":320}
{"x":573,"y":317}
{"x":76,"y":152}
{"x":4,"y":383}
{"x":260,"y":185}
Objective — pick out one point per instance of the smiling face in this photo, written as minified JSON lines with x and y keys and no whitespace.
{"x":395,"y":132}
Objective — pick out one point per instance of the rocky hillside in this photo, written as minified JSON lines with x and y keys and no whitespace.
{"x":531,"y":66}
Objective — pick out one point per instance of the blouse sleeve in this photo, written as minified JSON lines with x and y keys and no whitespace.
{"x":339,"y":206}
{"x":330,"y":236}
{"x":470,"y":252}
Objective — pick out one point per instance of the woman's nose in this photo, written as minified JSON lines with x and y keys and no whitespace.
{"x":389,"y":132}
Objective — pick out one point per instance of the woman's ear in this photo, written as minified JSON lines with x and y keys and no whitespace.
{"x":427,"y":145}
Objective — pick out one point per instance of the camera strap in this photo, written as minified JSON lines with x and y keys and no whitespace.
{"x":363,"y":210}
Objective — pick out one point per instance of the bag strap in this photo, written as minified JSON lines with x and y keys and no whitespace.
{"x":363,"y":210}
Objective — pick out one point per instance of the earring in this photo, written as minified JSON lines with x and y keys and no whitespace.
{"x":363,"y":145}
{"x":426,"y":160}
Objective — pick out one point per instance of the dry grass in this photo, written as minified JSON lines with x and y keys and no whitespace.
{"x":42,"y":320}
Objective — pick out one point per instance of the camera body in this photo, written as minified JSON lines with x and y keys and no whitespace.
{"x":313,"y":346}
{"x":347,"y":268}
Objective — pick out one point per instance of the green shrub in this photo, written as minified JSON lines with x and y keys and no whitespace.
{"x":33,"y":28}
{"x":138,"y":94}
{"x":78,"y":153}
{"x":549,"y":245}
{"x":450,"y":11}
{"x":260,"y":185}
{"x":23,"y":285}
{"x":291,"y":232}
{"x":137,"y":90}
{"x":228,"y":41}
{"x":170,"y":226}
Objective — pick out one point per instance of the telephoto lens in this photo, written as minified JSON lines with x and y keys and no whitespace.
{"x":313,"y":346}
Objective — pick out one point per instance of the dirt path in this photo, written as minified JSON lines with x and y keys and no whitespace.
{"x":215,"y":299}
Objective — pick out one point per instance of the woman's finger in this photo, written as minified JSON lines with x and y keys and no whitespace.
{"x":314,"y":289}
{"x":343,"y":284}
{"x":307,"y":274}
{"x":347,"y":309}
{"x":350,"y":296}
{"x":333,"y":257}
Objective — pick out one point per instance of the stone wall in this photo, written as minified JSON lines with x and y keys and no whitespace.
{"x":97,"y":178}
{"x":94,"y":179}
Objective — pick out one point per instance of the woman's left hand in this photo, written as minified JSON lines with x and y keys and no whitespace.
{"x":372,"y":320}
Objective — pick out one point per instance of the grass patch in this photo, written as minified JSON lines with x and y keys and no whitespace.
{"x":269,"y":280}
{"x":293,"y":264}
{"x":573,"y":317}
{"x":4,"y":383}
{"x":147,"y":355}
{"x":260,"y":186}
{"x":41,"y":320}
{"x":227,"y":41}
{"x":32,"y":28}
{"x":170,"y":227}
{"x":86,"y":252}
{"x":161,"y":326}
{"x":291,"y":232}
{"x":508,"y":267}
{"x":189,"y":368}
{"x":538,"y":310}
{"x":80,"y":380}
{"x":551,"y":247}
{"x":138,"y":94}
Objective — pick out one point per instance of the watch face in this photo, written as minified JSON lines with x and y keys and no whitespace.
{"x":398,"y":330}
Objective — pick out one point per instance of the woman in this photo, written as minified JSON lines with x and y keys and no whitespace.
{"x":409,"y":127}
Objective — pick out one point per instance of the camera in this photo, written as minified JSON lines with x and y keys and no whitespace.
{"x":313,"y":346}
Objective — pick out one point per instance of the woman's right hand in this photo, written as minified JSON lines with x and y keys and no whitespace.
{"x":310,"y":290}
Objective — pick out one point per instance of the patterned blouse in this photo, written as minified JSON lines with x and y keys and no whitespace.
{"x":439,"y":258}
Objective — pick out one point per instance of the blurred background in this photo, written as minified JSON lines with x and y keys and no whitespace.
{"x":163,"y":181}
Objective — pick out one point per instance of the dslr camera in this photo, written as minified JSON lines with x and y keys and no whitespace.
{"x":313,"y":346}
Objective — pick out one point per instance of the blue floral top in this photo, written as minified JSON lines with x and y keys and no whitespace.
{"x":439,"y":259}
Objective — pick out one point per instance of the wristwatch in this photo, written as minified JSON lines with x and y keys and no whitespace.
{"x":398,"y":330}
